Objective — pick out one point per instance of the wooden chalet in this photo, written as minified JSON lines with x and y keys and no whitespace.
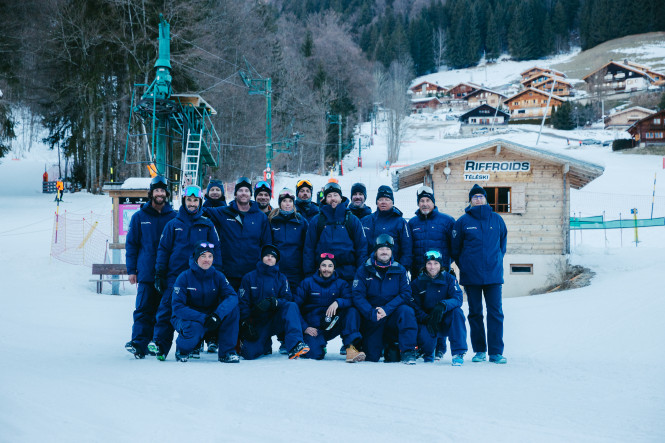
{"x":658,"y":77}
{"x":623,"y":120}
{"x":532,"y":103}
{"x":484,"y":96}
{"x":619,"y":77}
{"x":650,"y":130}
{"x":537,"y":70}
{"x":529,"y":187}
{"x":427,"y":89}
{"x":418,"y":104}
{"x":544,"y":82}
{"x":461,"y":90}
{"x":485,"y":115}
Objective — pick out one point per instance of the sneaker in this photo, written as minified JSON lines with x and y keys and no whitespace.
{"x":282,"y":349}
{"x":156,"y":350}
{"x":409,"y":357}
{"x":458,"y":359}
{"x":212,"y":347}
{"x":134,"y":349}
{"x":353,"y":355}
{"x":152,"y":343}
{"x":196,"y":353}
{"x":438,"y":355}
{"x":231,"y":357}
{"x":480,"y":356}
{"x":498,"y":359}
{"x":299,"y":349}
{"x":179,"y":357}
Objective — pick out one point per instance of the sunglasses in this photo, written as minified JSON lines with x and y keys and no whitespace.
{"x":433,"y":255}
{"x":327,"y":255}
{"x":193,"y":190}
{"x":304,"y":182}
{"x":477,"y":197}
{"x":207,"y":245}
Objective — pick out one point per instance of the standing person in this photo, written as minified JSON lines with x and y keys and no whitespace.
{"x":437,"y":302}
{"x":381,"y":293}
{"x":430,"y":230}
{"x":243,"y":230}
{"x":304,"y":204}
{"x":358,"y":197}
{"x":267,"y":309}
{"x":215,"y":195}
{"x":60,"y":189}
{"x":337,"y":231}
{"x":145,"y":229}
{"x":289,"y":229}
{"x":387,"y":219}
{"x":478,"y":246}
{"x":179,"y":238}
{"x":204,"y":303}
{"x":262,"y":195}
{"x":327,"y":311}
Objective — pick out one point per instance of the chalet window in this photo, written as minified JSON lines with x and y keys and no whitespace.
{"x":657,"y":135}
{"x":499,"y":199}
{"x":656,"y":121}
{"x":521,"y":268}
{"x":649,"y":135}
{"x":521,"y":111}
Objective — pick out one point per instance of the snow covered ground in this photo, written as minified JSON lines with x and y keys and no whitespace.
{"x":583,"y":365}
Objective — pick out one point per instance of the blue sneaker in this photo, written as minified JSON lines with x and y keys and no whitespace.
{"x":480,"y":356}
{"x":458,"y":360}
{"x":498,"y":359}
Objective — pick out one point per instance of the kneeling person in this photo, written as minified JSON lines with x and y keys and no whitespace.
{"x":204,"y":303}
{"x":327,"y":311}
{"x":437,"y":301}
{"x":267,"y":309}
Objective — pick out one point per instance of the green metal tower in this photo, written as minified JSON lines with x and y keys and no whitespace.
{"x":261,"y":86}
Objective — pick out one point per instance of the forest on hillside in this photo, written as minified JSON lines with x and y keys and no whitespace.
{"x":71,"y":65}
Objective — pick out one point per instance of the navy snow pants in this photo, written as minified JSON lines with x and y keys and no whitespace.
{"x":402,"y":323}
{"x":493,"y":343}
{"x":163,"y":335}
{"x":348,"y":326}
{"x":452,"y":326}
{"x":285,"y":320}
{"x":190,"y":333}
{"x":145,"y":311}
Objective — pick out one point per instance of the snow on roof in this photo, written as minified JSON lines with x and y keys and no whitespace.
{"x":621,"y":65}
{"x":547,"y":94}
{"x":481,"y":89}
{"x":136,"y":183}
{"x":424,"y":99}
{"x":632,"y":109}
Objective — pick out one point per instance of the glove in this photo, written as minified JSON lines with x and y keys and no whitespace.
{"x":160,"y":281}
{"x":431,"y":326}
{"x":267,"y":304}
{"x":248,"y":332}
{"x":451,"y":271}
{"x":435,"y":317}
{"x":212,"y":322}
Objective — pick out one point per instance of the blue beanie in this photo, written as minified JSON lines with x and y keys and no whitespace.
{"x":477,"y":190}
{"x":215,"y":184}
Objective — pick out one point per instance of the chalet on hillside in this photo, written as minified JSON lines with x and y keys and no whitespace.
{"x":529,"y":187}
{"x":537,"y":70}
{"x":544,"y":82}
{"x":484,"y":96}
{"x":428,"y":89}
{"x":461,"y":90}
{"x":650,"y":130}
{"x":658,"y":77}
{"x":623,"y":120}
{"x":484,"y":115}
{"x":532,"y":103}
{"x":620,"y":77}
{"x":418,"y":104}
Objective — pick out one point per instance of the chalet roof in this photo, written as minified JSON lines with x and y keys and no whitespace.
{"x":492,"y":109}
{"x":537,"y":91}
{"x":632,"y":109}
{"x":545,"y":70}
{"x":558,"y":78}
{"x":633,"y":127}
{"x":426,"y":82}
{"x":478,"y":91}
{"x":472,"y":85}
{"x":425,"y":100}
{"x":621,"y":65}
{"x":580,"y":173}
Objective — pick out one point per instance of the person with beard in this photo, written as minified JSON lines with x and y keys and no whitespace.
{"x":262,"y":195}
{"x":387,"y":219}
{"x":327,"y":311}
{"x":179,"y":238}
{"x":243,"y":230}
{"x":204,"y":304}
{"x":358,"y":197}
{"x":304,"y":204}
{"x":479,"y":239}
{"x":267,"y":309}
{"x":214,"y":195}
{"x":382,"y":294}
{"x":337,"y":231}
{"x":145,"y":229}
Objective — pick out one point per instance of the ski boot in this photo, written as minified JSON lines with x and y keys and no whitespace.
{"x":134,"y":349}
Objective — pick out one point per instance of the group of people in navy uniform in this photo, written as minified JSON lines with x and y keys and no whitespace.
{"x":228,"y":276}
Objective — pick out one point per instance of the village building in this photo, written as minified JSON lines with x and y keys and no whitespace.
{"x":424,"y":103}
{"x":484,"y":96}
{"x":485,"y":115}
{"x":427,"y":89}
{"x":537,"y":70}
{"x":622,"y":120}
{"x":528,"y":187}
{"x":531,"y":103}
{"x":546,"y":82}
{"x":461,"y":90}
{"x":621,"y":77}
{"x":650,"y":130}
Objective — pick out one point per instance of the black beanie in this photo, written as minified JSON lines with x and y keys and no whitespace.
{"x":158,"y":182}
{"x":325,"y":256}
{"x":201,"y":248}
{"x":270,"y":249}
{"x":425,"y":193}
{"x":331,"y":187}
{"x":262,"y":187}
{"x":476,"y":190}
{"x":385,"y":191}
{"x":359,"y":187}
{"x":243,"y":182}
{"x":304,"y":184}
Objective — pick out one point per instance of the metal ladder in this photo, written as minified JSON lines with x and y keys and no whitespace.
{"x":191,"y":157}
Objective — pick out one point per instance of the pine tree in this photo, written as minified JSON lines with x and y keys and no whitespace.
{"x":492,"y":41}
{"x":562,"y":118}
{"x":308,"y":46}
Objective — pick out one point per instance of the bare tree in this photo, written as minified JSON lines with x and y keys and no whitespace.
{"x":397,"y":105}
{"x":439,"y":46}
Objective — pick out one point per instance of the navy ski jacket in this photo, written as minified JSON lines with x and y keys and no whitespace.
{"x":145,"y":229}
{"x":374,"y":288}
{"x":288,"y":234}
{"x":428,"y":291}
{"x":360,"y":212}
{"x":349,"y":248}
{"x":478,"y":246}
{"x":392,"y":223}
{"x":198,"y":293}
{"x":180,"y":237}
{"x":307,"y":209}
{"x":242,"y":235}
{"x":264,"y":282}
{"x":212,"y":203}
{"x":430,"y":232}
{"x":316,"y":293}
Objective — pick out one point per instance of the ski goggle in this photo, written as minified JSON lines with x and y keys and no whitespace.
{"x":433,"y":255}
{"x":284,"y":193}
{"x":305,"y":183}
{"x":425,"y":189}
{"x":193,"y":191}
{"x":243,"y":180}
{"x":207,"y":245}
{"x":384,"y":240}
{"x":327,"y":255}
{"x":262,"y":184}
{"x":159,"y":180}
{"x":333,"y":187}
